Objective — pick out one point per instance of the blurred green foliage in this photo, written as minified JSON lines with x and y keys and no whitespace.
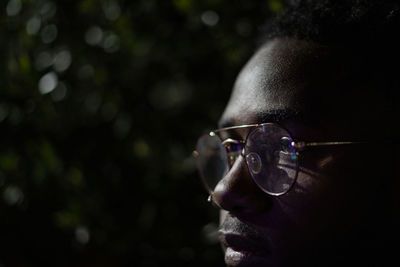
{"x":101,"y":103}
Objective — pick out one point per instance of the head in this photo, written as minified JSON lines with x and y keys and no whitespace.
{"x":324,"y":73}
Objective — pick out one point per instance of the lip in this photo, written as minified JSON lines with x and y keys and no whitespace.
{"x":242,"y":250}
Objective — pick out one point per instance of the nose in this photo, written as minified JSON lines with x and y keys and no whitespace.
{"x":238,"y":193}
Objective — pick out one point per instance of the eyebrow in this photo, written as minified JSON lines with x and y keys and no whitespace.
{"x":273,"y":115}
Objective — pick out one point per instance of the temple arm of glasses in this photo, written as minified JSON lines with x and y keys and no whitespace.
{"x":302,"y":145}
{"x":234,"y":127}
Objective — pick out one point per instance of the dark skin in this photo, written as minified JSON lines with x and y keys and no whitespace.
{"x":335,"y":213}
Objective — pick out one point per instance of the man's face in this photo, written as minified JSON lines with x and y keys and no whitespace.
{"x":332,"y":208}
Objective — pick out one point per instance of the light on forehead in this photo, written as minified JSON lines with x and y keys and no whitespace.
{"x":283,"y":77}
{"x":274,"y":115}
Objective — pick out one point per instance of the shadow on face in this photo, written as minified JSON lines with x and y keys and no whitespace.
{"x":340,"y":207}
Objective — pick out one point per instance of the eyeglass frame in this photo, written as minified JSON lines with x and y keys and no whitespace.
{"x":299,"y":146}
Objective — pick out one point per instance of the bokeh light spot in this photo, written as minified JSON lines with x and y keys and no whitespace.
{"x":43,"y":60}
{"x":183,"y":5}
{"x":141,"y":149}
{"x":48,"y":10}
{"x":82,"y":234}
{"x":33,"y":25}
{"x":49,"y":34}
{"x":13,"y":195}
{"x":111,"y":43}
{"x":13,"y":7}
{"x":48,"y":83}
{"x":94,"y":35}
{"x":62,"y":60}
{"x":59,"y":92}
{"x":210,"y":18}
{"x":275,"y":6}
{"x":112,"y":10}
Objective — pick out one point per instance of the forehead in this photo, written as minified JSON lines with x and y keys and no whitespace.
{"x":289,"y":76}
{"x":275,"y":78}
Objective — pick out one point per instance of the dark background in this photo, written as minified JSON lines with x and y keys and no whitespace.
{"x":101,"y":103}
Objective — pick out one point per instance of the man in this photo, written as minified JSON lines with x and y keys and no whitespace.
{"x":303,"y":165}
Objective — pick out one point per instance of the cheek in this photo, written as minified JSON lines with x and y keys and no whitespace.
{"x":332,"y":191}
{"x":316,"y":193}
{"x":302,"y":201}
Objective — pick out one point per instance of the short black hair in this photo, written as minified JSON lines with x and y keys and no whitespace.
{"x":334,"y":22}
{"x":368,"y":29}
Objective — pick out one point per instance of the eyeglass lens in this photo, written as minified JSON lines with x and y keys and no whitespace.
{"x":271,"y":159}
{"x":212,"y":160}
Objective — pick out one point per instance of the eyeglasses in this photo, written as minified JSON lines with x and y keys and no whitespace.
{"x":271,"y":156}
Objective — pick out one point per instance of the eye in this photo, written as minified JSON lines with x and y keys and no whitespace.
{"x":286,"y":145}
{"x":232,"y":145}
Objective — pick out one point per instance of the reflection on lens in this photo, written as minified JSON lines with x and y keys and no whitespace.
{"x":211,"y":160}
{"x":254,"y":162}
{"x":270,"y":145}
{"x":286,"y":144}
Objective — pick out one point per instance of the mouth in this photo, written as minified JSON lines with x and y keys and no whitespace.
{"x":242,"y":250}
